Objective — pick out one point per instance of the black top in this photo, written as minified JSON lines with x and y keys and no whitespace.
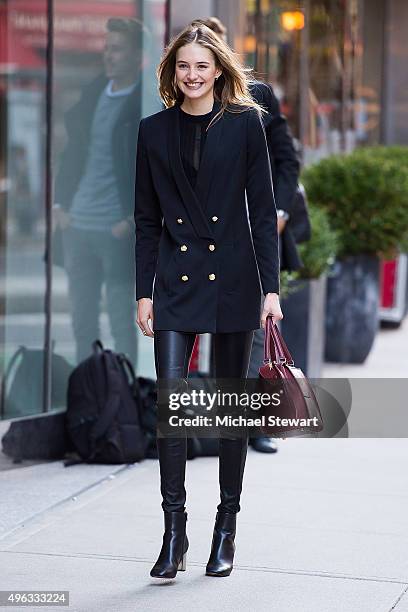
{"x":192,"y":140}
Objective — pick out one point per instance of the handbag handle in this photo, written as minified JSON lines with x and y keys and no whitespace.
{"x":274,"y":337}
{"x":282,"y":345}
{"x":268,"y":345}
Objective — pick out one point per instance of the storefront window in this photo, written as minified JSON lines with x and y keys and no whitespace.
{"x":372,"y":91}
{"x":273,"y":44}
{"x":104,"y":58}
{"x":23,"y":73}
{"x":327,"y":76}
{"x":311,"y":53}
{"x":335,"y":106}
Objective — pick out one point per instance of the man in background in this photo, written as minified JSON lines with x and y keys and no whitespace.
{"x":94,"y":193}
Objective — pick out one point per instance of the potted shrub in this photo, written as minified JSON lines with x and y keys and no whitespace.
{"x":366,"y":197}
{"x":304,"y":305}
{"x":391,"y":154}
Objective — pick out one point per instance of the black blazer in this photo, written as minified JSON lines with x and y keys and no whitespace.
{"x":197,"y":244}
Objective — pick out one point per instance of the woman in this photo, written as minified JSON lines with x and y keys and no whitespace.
{"x":196,"y":161}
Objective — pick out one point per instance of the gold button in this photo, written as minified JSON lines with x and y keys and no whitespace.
{"x":184,"y":277}
{"x":211,"y":247}
{"x":179,"y":220}
{"x":183,"y":247}
{"x":211,"y":276}
{"x":214,"y":218}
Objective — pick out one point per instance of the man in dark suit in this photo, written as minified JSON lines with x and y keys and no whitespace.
{"x":94,"y":192}
{"x":285,"y":173}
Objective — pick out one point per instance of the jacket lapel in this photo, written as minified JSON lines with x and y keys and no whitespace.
{"x":191,"y":202}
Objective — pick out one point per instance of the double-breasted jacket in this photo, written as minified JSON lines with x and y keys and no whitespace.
{"x":205,"y":255}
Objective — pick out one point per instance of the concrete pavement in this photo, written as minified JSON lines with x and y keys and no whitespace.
{"x":323,"y":527}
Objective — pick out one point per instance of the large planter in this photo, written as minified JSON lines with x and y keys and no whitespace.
{"x":303,"y":324}
{"x":352,"y":308}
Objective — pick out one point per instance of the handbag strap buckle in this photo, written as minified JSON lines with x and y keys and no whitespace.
{"x":282,"y":361}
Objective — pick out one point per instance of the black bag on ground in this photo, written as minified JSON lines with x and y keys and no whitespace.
{"x":103,"y":411}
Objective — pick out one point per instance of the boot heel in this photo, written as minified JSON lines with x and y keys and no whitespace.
{"x":183,"y":563}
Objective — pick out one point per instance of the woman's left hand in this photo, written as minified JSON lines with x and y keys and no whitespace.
{"x":271,"y":307}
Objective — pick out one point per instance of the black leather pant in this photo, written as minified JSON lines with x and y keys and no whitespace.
{"x":231,"y":356}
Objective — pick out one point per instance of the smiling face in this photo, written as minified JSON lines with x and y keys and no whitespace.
{"x":196,"y":71}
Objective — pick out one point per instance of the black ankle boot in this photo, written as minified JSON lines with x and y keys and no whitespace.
{"x":223,"y":545}
{"x":175,"y":544}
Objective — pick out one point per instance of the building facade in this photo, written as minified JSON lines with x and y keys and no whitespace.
{"x":67,"y":146}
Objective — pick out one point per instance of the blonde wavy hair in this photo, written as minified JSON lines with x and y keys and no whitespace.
{"x":231,"y":89}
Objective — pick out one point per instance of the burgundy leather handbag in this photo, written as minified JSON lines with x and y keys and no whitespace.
{"x":298,"y":411}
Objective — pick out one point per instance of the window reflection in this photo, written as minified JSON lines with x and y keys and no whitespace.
{"x":103,"y":86}
{"x":94,"y":193}
{"x":105,"y":57}
{"x":22,"y":213}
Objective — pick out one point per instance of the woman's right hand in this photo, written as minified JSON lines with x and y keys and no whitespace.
{"x":144,"y":313}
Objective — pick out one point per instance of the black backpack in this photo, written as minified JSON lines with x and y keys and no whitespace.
{"x":103,"y":409}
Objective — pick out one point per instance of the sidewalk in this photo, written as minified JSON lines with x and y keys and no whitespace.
{"x":388,"y":358}
{"x":323,"y":528}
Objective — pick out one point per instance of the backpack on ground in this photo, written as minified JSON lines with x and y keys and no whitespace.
{"x":103,"y":409}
